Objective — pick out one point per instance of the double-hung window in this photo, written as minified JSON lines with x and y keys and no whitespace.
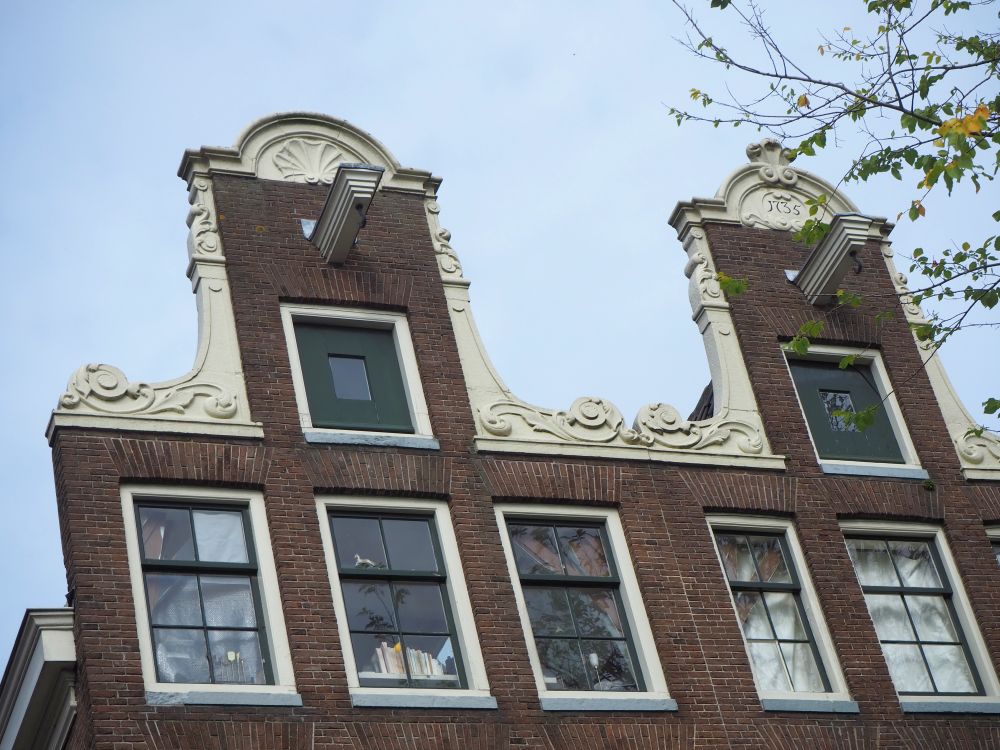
{"x":393,"y":581}
{"x":767,"y":595}
{"x":911,"y":603}
{"x":208,"y":612}
{"x":791,"y":656}
{"x":589,"y":642}
{"x":403,"y":611}
{"x":570,"y":589}
{"x":200,"y":575}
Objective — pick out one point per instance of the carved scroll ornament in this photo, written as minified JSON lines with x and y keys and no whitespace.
{"x":595,"y":421}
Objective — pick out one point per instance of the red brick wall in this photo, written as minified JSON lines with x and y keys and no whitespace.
{"x":662,"y":509}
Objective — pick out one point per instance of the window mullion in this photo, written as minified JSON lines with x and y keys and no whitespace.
{"x":204,"y":630}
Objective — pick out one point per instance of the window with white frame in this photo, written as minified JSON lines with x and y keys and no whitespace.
{"x":205,"y":590}
{"x":354,"y":371}
{"x":786,"y":637}
{"x":831,"y":396}
{"x":579,"y":604}
{"x":994,"y":535}
{"x":921,"y":614}
{"x":403,"y":610}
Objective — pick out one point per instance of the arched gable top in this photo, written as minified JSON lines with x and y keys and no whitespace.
{"x":303,"y":147}
{"x":768,"y":193}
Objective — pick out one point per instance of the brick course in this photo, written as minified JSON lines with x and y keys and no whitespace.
{"x":662,"y":509}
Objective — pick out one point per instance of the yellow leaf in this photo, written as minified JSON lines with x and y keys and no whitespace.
{"x":821,"y":50}
{"x":803,"y":101}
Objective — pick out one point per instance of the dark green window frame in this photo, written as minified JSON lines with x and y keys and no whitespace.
{"x":396,"y":580}
{"x":579,"y":583}
{"x":944,"y":591}
{"x":762,"y":587}
{"x":833,"y":439}
{"x":388,"y":408}
{"x":199,"y":568}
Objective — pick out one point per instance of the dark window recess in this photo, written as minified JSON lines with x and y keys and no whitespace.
{"x":768,"y":599}
{"x":353,"y":378}
{"x":571,"y":590}
{"x":200,"y":574}
{"x":395,"y":592}
{"x":996,"y":551}
{"x":910,"y":602}
{"x":826,"y":392}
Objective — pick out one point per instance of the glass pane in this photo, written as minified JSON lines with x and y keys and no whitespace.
{"x":166,"y":534}
{"x":548,"y":611}
{"x":753,"y":618}
{"x":931,"y":618}
{"x":220,"y":536}
{"x":770,"y":559}
{"x":350,"y":378}
{"x":228,"y":602}
{"x":889,"y":616}
{"x":431,"y":660}
{"x":996,"y":551}
{"x":736,"y":557}
{"x":180,"y":655}
{"x":914,"y":562}
{"x":368,"y":605}
{"x":871,"y":562}
{"x":785,"y":616}
{"x":535,"y":550}
{"x":562,"y":665}
{"x":801,"y":665}
{"x":768,"y":668}
{"x":420,"y":607}
{"x":236,"y":657}
{"x":907,"y":668}
{"x":173,"y":599}
{"x":596,"y":613}
{"x":838,"y":401}
{"x":358,"y":542}
{"x":379,"y":659}
{"x":609,"y":666}
{"x":409,"y":543}
{"x":950,"y":669}
{"x":583,"y":551}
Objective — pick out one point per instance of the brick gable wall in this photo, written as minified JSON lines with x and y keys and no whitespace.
{"x":662,"y":509}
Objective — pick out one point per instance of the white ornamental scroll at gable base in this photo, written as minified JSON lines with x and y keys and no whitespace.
{"x":211,"y":398}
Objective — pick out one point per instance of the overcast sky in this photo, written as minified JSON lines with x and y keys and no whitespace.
{"x":547,"y":121}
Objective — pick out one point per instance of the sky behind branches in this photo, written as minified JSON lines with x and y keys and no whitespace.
{"x":547,"y":120}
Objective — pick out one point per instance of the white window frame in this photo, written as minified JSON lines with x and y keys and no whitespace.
{"x":422,"y":436}
{"x":282,"y":692}
{"x":477,"y":692}
{"x":993,"y":534}
{"x":910,"y":468}
{"x":656,"y":697}
{"x":990,"y":701}
{"x":839,"y":698}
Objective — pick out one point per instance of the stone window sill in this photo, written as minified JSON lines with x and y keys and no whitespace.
{"x":818,"y":705}
{"x":387,"y":698}
{"x":969,"y":706}
{"x":221,"y":698}
{"x":605,"y":702}
{"x":334,"y":437}
{"x":861,"y":469}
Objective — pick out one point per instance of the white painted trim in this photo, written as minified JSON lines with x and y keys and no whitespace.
{"x":810,"y":603}
{"x":458,"y":596}
{"x":351,"y":316}
{"x":37,"y":696}
{"x":635,"y":612}
{"x":872,"y":358}
{"x":963,"y":607}
{"x":270,"y":594}
{"x":993,"y":533}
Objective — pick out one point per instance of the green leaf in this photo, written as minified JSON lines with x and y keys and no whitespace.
{"x":731,"y":287}
{"x":991,"y":405}
{"x":847,"y":361}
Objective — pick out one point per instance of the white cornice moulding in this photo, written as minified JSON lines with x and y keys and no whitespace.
{"x":37,"y":698}
{"x":823,"y":272}
{"x":345,"y":210}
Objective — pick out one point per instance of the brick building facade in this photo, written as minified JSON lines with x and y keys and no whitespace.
{"x":285,"y":549}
